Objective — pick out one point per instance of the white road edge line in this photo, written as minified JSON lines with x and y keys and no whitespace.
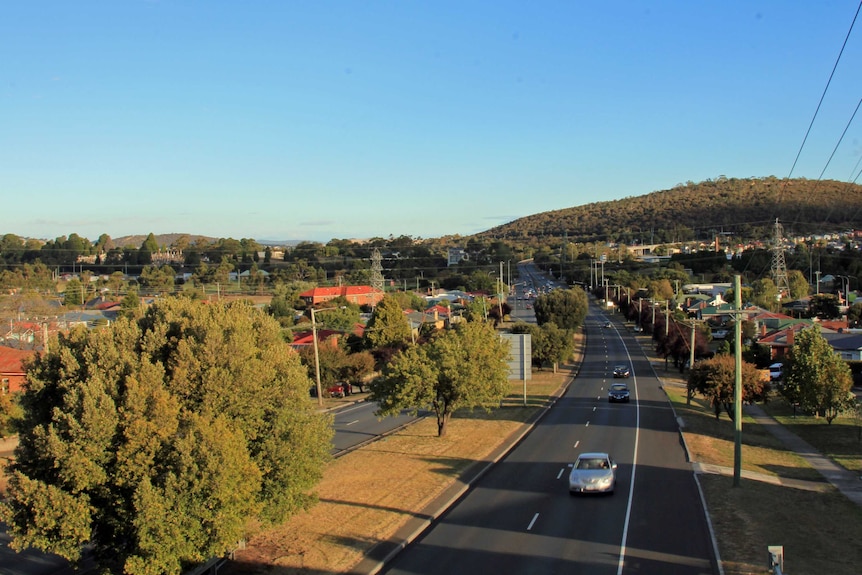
{"x":530,"y":526}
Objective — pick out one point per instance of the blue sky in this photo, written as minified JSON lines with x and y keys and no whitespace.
{"x":279,"y":120}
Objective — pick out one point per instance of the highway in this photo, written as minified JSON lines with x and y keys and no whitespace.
{"x":520,"y":518}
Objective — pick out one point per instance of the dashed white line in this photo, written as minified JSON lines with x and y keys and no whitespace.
{"x":594,"y":407}
{"x":530,"y":526}
{"x":588,"y":424}
{"x":577,"y":443}
{"x":560,"y":474}
{"x":352,"y":422}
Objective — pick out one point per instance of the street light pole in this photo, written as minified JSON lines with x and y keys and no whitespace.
{"x":316,"y":359}
{"x":317,"y":353}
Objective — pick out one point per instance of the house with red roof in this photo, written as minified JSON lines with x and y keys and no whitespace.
{"x":12,"y":374}
{"x":359,"y":295}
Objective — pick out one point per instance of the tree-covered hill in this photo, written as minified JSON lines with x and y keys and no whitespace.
{"x":746,"y":208}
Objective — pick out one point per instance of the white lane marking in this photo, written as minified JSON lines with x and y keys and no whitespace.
{"x":352,"y":422}
{"x":594,"y":407}
{"x":560,"y":474}
{"x":577,"y":443}
{"x":530,"y":526}
{"x":634,"y":468}
{"x":363,"y":405}
{"x":588,"y":424}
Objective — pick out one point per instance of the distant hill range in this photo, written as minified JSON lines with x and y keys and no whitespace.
{"x":746,"y":208}
{"x":170,"y":239}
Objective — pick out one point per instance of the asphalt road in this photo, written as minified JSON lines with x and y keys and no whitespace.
{"x":520,"y":518}
{"x":356,"y":425}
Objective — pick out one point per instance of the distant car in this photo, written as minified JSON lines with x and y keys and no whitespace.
{"x":607,"y":324}
{"x":720,"y":334}
{"x":619,"y":392}
{"x":593,"y":473}
{"x":622,"y":371}
{"x":776,"y":370}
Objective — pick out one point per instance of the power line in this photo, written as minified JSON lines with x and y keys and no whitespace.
{"x":850,"y":121}
{"x":822,"y":96}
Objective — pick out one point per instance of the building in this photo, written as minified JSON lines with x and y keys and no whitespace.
{"x":12,"y":374}
{"x":359,"y":295}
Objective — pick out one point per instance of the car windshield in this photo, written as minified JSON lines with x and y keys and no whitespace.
{"x":592,"y":463}
{"x":619,"y":387}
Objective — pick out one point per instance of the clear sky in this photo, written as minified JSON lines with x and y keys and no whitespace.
{"x":280,"y":120}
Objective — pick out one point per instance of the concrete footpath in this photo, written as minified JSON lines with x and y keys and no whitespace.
{"x":847,"y":482}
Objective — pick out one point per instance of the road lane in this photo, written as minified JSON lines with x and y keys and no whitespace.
{"x":519,"y":517}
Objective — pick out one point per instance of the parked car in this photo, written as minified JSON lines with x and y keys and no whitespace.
{"x":619,"y":392}
{"x":776,"y":370}
{"x":720,"y":334}
{"x":593,"y":473}
{"x":622,"y":371}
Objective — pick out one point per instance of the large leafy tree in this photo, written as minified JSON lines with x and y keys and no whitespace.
{"x":461,"y":368}
{"x":548,"y":343}
{"x":816,"y":378}
{"x":566,"y":308}
{"x":715,"y":379}
{"x":159,"y":442}
{"x":388,"y":326}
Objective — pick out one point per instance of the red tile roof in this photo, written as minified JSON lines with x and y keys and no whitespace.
{"x":12,"y":360}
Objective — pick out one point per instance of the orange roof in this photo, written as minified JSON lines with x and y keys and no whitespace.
{"x":12,"y":360}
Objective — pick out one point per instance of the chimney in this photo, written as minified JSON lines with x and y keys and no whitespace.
{"x":762,"y":329}
{"x":789,"y":338}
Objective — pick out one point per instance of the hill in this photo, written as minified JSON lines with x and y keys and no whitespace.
{"x":746,"y":208}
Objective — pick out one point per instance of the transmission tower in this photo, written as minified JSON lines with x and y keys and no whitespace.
{"x":779,"y":267}
{"x":376,"y":271}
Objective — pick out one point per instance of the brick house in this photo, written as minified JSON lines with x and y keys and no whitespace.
{"x":12,"y":375}
{"x":360,"y":295}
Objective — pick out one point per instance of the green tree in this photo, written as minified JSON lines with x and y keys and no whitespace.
{"x":566,"y":308}
{"x":388,"y":326}
{"x":465,"y":367}
{"x":357,"y":368}
{"x":816,"y":378}
{"x":74,"y":292}
{"x":130,"y":305}
{"x":158,"y":280}
{"x":798,"y":284}
{"x":162,"y":442}
{"x":715,"y":379}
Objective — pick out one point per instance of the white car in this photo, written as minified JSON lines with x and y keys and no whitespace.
{"x":593,"y":473}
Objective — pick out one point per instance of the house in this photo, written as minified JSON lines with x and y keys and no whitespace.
{"x":848,"y":346}
{"x":359,"y":295}
{"x":12,"y":374}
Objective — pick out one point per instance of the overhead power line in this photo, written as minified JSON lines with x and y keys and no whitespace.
{"x":822,"y":96}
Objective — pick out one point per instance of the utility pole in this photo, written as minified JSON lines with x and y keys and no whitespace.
{"x":667,"y":318}
{"x":691,"y":351}
{"x":737,"y":388}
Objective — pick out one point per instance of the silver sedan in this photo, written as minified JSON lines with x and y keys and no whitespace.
{"x":593,"y":473}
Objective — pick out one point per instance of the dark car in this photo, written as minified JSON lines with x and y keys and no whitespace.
{"x":622,"y":371}
{"x":619,"y":392}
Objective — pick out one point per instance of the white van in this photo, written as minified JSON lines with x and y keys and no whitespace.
{"x":775,"y":371}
